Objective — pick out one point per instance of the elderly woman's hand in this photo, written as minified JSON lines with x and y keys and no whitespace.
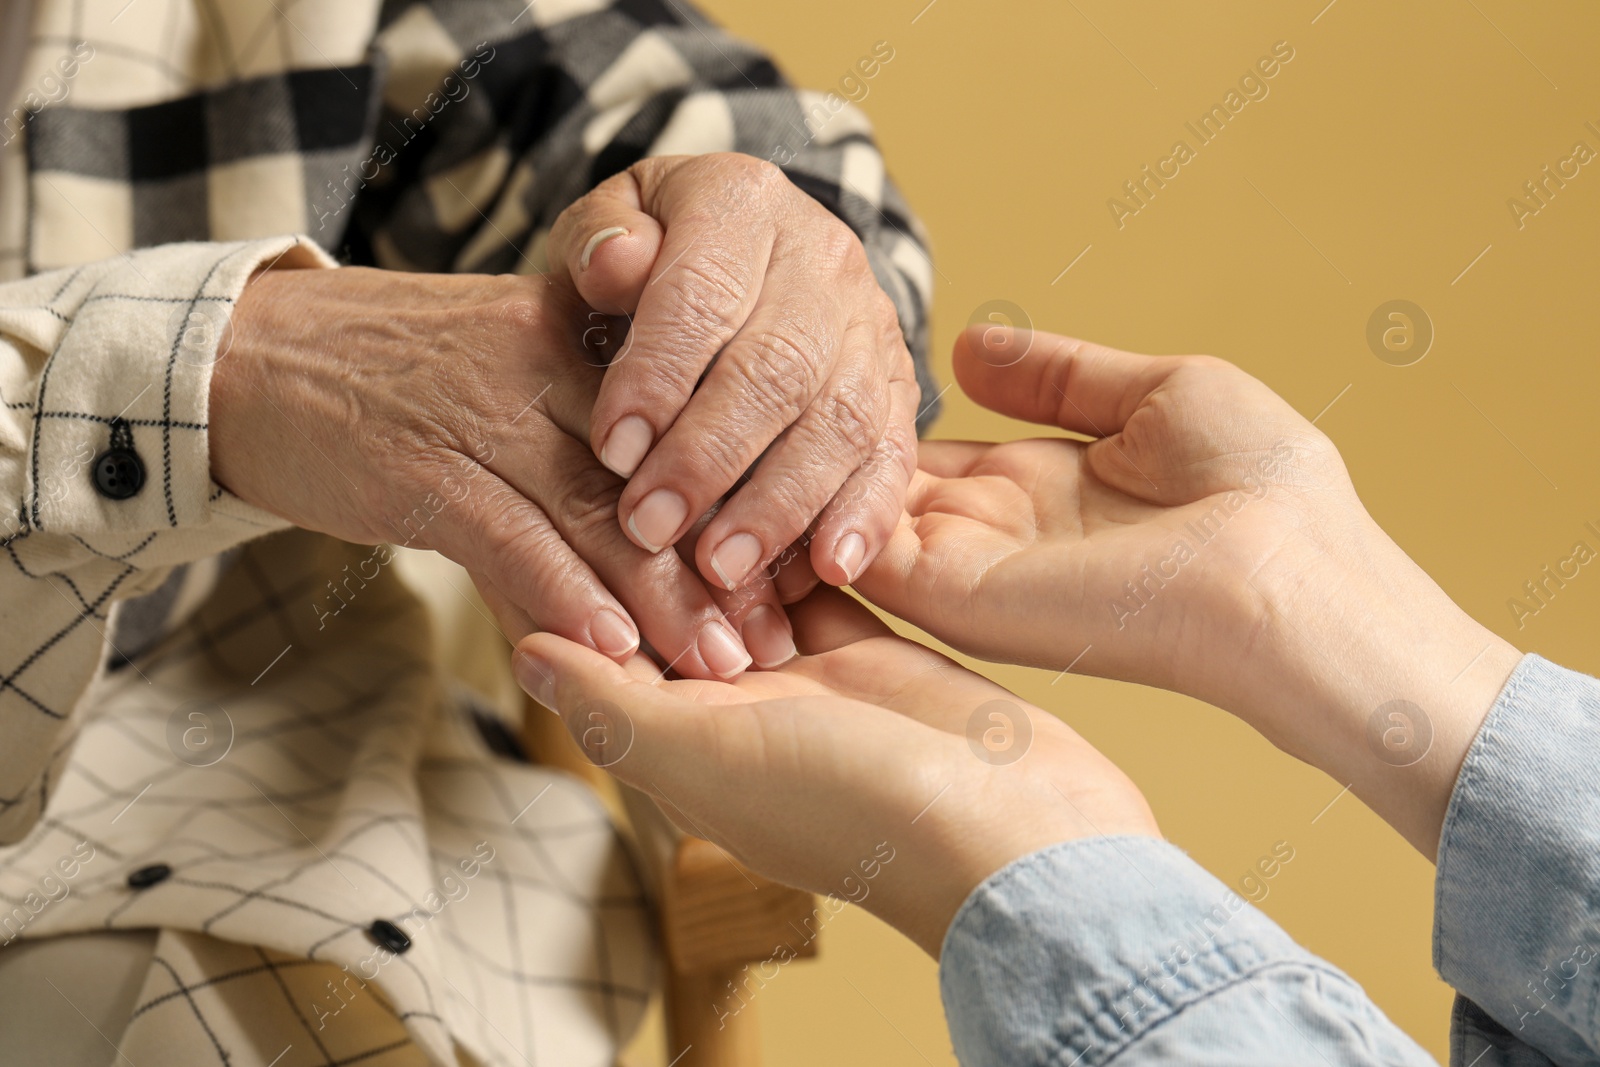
{"x":870,"y":768}
{"x":727,"y":271}
{"x":451,"y":412}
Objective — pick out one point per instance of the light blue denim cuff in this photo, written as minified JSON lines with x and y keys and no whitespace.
{"x":1517,"y":909}
{"x":1122,"y":948}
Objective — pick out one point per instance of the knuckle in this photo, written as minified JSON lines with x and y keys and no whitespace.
{"x":1212,"y":366}
{"x":763,"y":174}
{"x":779,"y":372}
{"x":588,"y":501}
{"x":894,"y":457}
{"x":838,"y":243}
{"x":719,"y":460}
{"x":853,"y":416}
{"x":706,"y":296}
{"x":786,"y":507}
{"x":887,"y":317}
{"x":658,"y":386}
{"x":512,"y":536}
{"x":521,"y":314}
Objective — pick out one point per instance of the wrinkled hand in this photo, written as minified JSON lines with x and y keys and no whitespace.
{"x":450,"y":412}
{"x":725,"y":270}
{"x":1207,"y":540}
{"x":867,"y":768}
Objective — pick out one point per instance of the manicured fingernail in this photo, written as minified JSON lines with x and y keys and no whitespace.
{"x":656,"y":520}
{"x":721,"y":650}
{"x":613,"y":635}
{"x":735,"y":558}
{"x":768,"y":637}
{"x":848,"y":554}
{"x":536,"y":677}
{"x":626,"y":445}
{"x":596,"y":241}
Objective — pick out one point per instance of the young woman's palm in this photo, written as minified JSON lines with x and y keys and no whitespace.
{"x":865,"y":746}
{"x":1150,"y":551}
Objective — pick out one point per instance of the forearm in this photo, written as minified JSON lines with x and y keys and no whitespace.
{"x":1488,"y":768}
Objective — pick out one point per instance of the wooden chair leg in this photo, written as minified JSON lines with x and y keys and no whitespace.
{"x":728,"y":932}
{"x":702,"y":1031}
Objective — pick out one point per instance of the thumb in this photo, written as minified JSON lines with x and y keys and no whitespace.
{"x":1056,"y":381}
{"x":607,"y":244}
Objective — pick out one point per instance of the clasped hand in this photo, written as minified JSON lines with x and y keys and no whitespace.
{"x":558,"y":435}
{"x":710,"y":380}
{"x":1195,"y":533}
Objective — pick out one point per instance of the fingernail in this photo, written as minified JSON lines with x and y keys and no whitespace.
{"x":768,"y":637}
{"x":848,"y":554}
{"x":656,"y":520}
{"x":721,"y":650}
{"x":735,"y":558}
{"x":536,"y":677}
{"x":626,"y":445}
{"x":596,"y":241}
{"x":613,"y":635}
{"x":795,"y":583}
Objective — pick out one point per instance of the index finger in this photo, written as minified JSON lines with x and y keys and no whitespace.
{"x":705,"y":283}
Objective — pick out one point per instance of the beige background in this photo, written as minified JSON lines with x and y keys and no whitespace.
{"x":1378,"y":167}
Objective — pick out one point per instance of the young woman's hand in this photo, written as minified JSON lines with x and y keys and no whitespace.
{"x":1206,"y":539}
{"x":870,"y":767}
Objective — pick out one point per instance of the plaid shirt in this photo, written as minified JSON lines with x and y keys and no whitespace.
{"x":156,"y":154}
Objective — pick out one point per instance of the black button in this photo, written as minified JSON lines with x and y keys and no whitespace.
{"x":145,"y":877}
{"x":389,"y":935}
{"x":118,"y":473}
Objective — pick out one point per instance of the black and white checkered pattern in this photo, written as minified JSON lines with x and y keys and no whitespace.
{"x":351,"y":788}
{"x":554,"y":104}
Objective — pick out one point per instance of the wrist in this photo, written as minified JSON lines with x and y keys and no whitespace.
{"x":1362,"y":666}
{"x":961,"y":846}
{"x":232,"y":392}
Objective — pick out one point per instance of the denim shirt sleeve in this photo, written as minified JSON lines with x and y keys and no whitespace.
{"x":1123,"y":950}
{"x":1517,"y":910}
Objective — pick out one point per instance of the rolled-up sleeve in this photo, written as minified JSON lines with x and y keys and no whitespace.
{"x":1517,"y":917}
{"x":1123,"y":950}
